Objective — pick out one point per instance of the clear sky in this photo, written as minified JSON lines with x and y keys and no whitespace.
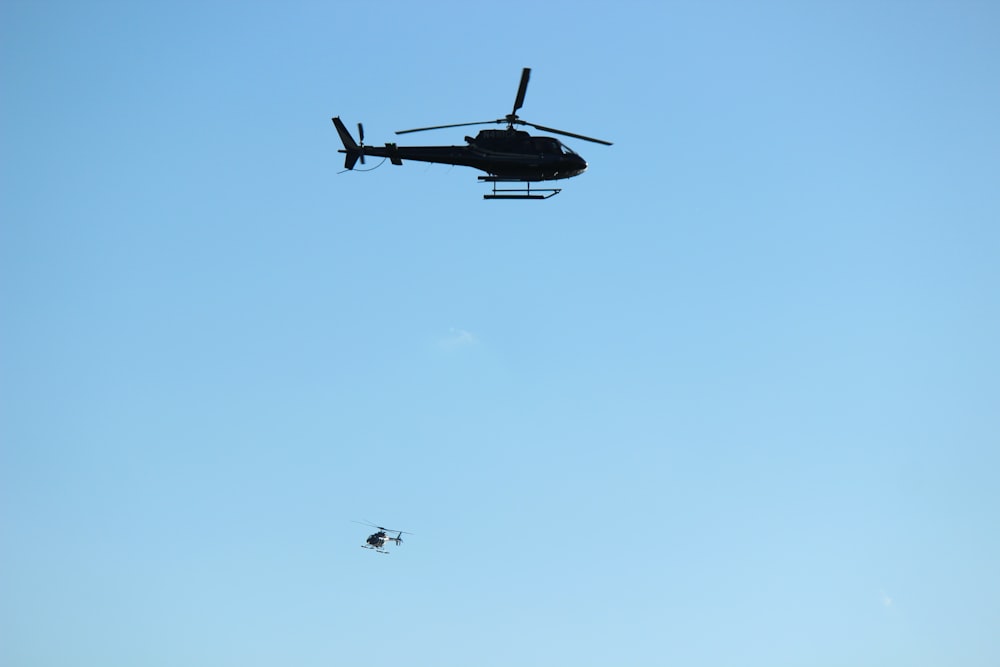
{"x":731,"y":398}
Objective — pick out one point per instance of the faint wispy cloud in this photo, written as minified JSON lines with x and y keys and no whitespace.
{"x":886,"y":600}
{"x":458,"y":338}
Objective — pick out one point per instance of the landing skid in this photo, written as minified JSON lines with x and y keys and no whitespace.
{"x":381,"y":551}
{"x":524,"y":192}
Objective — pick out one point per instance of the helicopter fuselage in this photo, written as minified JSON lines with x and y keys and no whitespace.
{"x":505,"y":154}
{"x":378,"y":540}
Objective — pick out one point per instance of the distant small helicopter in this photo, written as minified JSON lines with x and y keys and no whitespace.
{"x":377,"y":540}
{"x":507,"y":156}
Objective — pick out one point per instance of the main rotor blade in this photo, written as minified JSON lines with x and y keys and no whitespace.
{"x":519,"y":100}
{"x":369,"y":523}
{"x":568,"y":134}
{"x":388,"y":530}
{"x":441,"y":127}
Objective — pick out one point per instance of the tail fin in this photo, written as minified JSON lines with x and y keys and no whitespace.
{"x":350,"y":146}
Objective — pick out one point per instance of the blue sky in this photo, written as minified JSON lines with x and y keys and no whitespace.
{"x":730,"y":398}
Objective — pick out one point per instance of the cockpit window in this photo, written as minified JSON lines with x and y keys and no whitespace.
{"x":551,"y":146}
{"x":547,"y":145}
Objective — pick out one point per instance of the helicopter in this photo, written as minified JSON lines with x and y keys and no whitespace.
{"x":507,"y":156}
{"x":377,"y":540}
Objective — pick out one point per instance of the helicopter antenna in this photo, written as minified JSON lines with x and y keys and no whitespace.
{"x":344,"y":171}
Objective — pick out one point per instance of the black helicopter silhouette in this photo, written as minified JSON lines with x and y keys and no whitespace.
{"x":377,"y":540}
{"x":507,"y":156}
